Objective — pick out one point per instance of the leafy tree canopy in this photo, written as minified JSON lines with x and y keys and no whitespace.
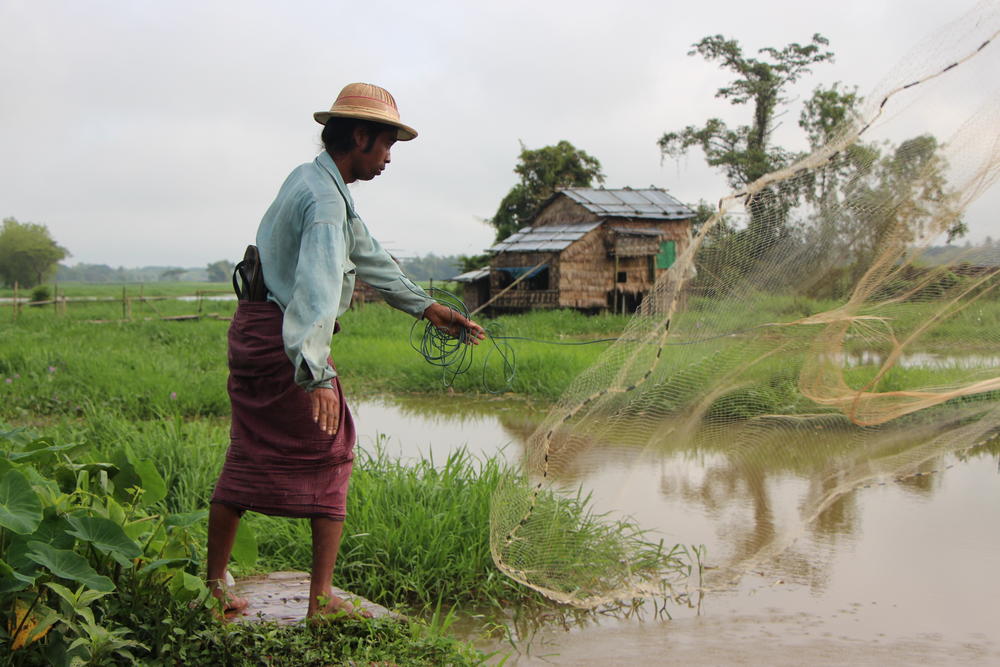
{"x":28,"y":253}
{"x":543,"y":171}
{"x":744,"y":153}
{"x":220,"y":271}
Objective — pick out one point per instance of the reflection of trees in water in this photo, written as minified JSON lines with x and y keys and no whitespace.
{"x":745,"y":476}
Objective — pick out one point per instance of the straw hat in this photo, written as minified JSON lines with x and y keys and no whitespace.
{"x":368,"y":102}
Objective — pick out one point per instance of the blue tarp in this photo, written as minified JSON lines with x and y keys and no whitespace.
{"x":518,"y":271}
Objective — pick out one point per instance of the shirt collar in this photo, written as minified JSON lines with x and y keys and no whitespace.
{"x":325,"y":161}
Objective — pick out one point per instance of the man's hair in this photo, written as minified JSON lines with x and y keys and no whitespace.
{"x":338,"y":134}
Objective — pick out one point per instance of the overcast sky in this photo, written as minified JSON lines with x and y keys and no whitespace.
{"x":157,"y":133}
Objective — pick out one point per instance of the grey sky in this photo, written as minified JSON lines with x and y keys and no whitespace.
{"x":158,"y":132}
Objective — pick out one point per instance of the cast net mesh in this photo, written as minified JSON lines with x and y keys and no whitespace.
{"x":792,"y":333}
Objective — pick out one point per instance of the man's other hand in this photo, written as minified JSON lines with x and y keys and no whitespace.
{"x":454,"y":323}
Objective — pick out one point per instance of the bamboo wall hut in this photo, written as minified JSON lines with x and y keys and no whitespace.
{"x":590,"y":249}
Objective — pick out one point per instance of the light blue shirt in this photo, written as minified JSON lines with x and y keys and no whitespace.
{"x":312,"y":246}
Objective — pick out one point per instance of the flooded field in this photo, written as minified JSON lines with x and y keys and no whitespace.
{"x":899,"y":571}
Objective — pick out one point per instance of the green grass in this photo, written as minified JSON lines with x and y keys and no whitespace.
{"x":114,"y":290}
{"x":417,"y":533}
{"x":58,"y":365}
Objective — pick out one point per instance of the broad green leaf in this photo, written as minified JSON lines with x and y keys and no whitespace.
{"x":115,"y":511}
{"x":11,"y":580}
{"x":186,"y":519}
{"x":155,"y":489}
{"x":162,"y":563}
{"x":185,"y":586}
{"x":20,"y":509}
{"x":124,"y":478}
{"x":245,"y":546}
{"x":52,"y":531}
{"x":68,"y":565}
{"x":142,"y":473}
{"x":104,"y":534}
{"x":18,"y":436}
{"x":41,"y":450}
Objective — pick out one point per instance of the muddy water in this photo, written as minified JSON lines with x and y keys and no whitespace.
{"x":899,"y":573}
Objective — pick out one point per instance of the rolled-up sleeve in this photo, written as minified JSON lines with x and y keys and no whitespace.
{"x":376,"y":267}
{"x":315,"y":301}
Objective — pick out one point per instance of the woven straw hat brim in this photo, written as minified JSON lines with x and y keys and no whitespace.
{"x":404,"y":133}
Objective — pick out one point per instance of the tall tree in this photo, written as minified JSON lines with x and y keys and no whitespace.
{"x":28,"y":253}
{"x":745,"y":153}
{"x":543,"y":171}
{"x":220,"y":271}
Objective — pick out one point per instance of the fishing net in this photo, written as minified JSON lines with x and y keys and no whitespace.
{"x":801,"y":326}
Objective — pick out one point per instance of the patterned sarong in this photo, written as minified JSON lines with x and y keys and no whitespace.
{"x":279,"y":461}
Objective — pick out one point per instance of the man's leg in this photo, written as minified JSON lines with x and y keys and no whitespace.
{"x":326,"y":535}
{"x":222,"y":524}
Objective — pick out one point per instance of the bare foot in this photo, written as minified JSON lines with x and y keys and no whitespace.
{"x":231,"y":604}
{"x":335,"y":609}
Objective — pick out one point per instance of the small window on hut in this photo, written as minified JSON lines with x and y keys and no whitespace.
{"x":667,"y":255}
{"x":538,"y":280}
{"x":623,"y":276}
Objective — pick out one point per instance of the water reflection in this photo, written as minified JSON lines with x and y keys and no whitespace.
{"x":907,"y":552}
{"x":746,"y":503}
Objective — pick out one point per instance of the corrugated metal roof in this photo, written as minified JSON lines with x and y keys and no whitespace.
{"x":629,"y":203}
{"x":472,"y":276}
{"x":548,"y":238}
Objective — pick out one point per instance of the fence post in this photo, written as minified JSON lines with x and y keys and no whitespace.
{"x":16,"y":303}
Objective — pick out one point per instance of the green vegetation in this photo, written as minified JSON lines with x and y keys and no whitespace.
{"x":94,"y":571}
{"x":28,"y":253}
{"x":146,"y":401}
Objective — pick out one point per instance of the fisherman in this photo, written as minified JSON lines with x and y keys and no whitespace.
{"x":292,"y":438}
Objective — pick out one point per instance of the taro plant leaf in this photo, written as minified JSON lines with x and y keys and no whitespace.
{"x":162,"y":563}
{"x":17,"y":436}
{"x":186,"y":519}
{"x":25,"y":625}
{"x":185,"y":586}
{"x":52,"y":530}
{"x":11,"y":580}
{"x":155,"y":489}
{"x":125,"y":477}
{"x":68,"y":565}
{"x":104,"y":534}
{"x":42,"y":451}
{"x":245,"y":546}
{"x":134,"y":472}
{"x":20,"y":509}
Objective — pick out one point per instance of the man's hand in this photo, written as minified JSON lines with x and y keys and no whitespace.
{"x":454,"y":323}
{"x":325,"y":409}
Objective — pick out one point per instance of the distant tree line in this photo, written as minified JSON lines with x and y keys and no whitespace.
{"x":431,"y":267}
{"x":28,"y":253}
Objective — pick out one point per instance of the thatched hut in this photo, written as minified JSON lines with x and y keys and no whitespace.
{"x":590,"y":249}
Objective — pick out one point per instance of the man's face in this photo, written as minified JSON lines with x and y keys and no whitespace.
{"x":369,"y":164}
